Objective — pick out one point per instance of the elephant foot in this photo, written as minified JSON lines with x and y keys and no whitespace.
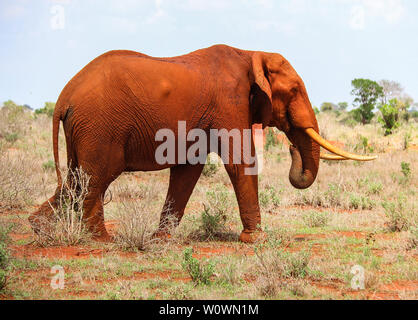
{"x":252,"y":237}
{"x":103,"y":237}
{"x":101,"y":234}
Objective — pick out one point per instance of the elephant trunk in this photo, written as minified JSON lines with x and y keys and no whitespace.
{"x":305,"y":159}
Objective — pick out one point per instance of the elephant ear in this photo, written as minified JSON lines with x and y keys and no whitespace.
{"x":261,"y":96}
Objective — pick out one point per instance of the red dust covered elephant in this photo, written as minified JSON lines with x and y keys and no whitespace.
{"x":114,"y":107}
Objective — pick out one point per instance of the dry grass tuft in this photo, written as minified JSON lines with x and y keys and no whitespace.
{"x":66,"y":225}
{"x":279,"y":269}
{"x":137,"y":221}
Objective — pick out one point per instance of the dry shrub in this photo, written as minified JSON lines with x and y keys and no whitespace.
{"x":232,"y":271}
{"x":412,"y":241}
{"x":137,"y":222}
{"x":15,"y":185}
{"x":401,"y":215}
{"x":66,"y":225}
{"x":5,"y":265}
{"x":127,"y":188}
{"x":316,"y":219}
{"x":278,"y":269}
{"x":14,"y":121}
{"x":372,"y":281}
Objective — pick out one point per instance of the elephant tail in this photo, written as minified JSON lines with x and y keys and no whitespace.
{"x":55,"y":131}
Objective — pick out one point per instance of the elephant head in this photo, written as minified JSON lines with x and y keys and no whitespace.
{"x":279,"y":99}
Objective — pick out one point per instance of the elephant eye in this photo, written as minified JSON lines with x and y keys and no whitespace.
{"x":294,"y":91}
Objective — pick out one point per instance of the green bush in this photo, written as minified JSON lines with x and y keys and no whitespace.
{"x":14,"y":121}
{"x":407,"y":140}
{"x":269,"y":198}
{"x":333,"y":195}
{"x":199,"y":272}
{"x":362,"y":145}
{"x":389,"y":116}
{"x":361,"y":202}
{"x":328,"y":106}
{"x":210,"y":168}
{"x":214,"y":215}
{"x":375,"y":188}
{"x":405,"y":175}
{"x":398,"y":215}
{"x":49,"y":165}
{"x":406,"y":169}
{"x":11,"y":137}
{"x":212,"y":223}
{"x":4,"y":256}
{"x":48,"y":109}
{"x":412,"y":238}
{"x":271,"y":139}
{"x":316,"y":219}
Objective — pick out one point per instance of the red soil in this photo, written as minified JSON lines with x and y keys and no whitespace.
{"x":205,"y":252}
{"x":76,"y":252}
{"x":320,"y":209}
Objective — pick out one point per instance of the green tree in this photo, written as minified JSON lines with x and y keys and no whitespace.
{"x":366,"y":93}
{"x":48,"y":109}
{"x":390,"y":116}
{"x":342,"y":106}
{"x":327,"y":106}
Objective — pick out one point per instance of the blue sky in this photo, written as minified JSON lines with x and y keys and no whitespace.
{"x":329,"y":42}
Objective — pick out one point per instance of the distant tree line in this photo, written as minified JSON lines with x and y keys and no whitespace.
{"x":386,"y":97}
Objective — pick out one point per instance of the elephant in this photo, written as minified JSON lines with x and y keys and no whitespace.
{"x":113,"y":108}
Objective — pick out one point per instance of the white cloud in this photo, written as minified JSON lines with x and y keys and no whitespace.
{"x":159,"y":13}
{"x":200,"y":5}
{"x":357,"y":18}
{"x":122,"y":24}
{"x":364,"y":11}
{"x":268,"y":4}
{"x":391,"y":10}
{"x":297,"y":6}
{"x":285,"y":28}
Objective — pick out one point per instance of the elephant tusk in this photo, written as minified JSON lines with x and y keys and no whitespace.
{"x":325,"y":144}
{"x":331,"y":157}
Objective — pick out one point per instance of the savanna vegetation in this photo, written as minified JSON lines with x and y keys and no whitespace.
{"x":355,"y":214}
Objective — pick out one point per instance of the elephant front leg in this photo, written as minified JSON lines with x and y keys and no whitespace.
{"x":183,"y":179}
{"x":246,"y":190}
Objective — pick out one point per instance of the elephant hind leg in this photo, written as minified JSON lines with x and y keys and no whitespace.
{"x":94,"y":216}
{"x":43,"y":215}
{"x":103,"y":166}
